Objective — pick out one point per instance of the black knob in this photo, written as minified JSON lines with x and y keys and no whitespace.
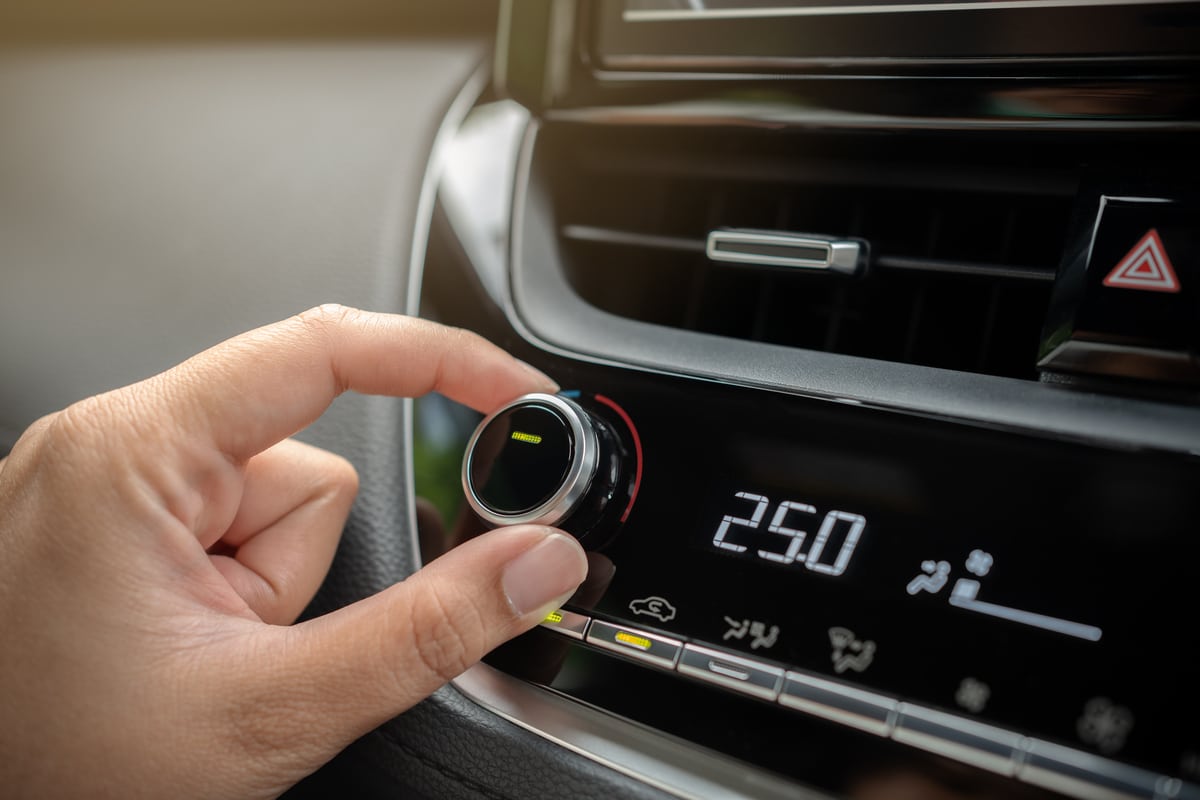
{"x":545,"y":459}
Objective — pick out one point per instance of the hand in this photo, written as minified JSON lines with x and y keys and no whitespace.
{"x":155,"y":540}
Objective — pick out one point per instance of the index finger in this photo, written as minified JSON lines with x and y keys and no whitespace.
{"x":258,"y":388}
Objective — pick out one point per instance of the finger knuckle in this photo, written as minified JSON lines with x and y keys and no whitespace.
{"x":465,"y":339}
{"x":335,"y":468}
{"x":343,"y":477}
{"x":447,"y":636}
{"x":33,"y":439}
{"x":77,"y":425}
{"x":327,"y":317}
{"x":332,"y":477}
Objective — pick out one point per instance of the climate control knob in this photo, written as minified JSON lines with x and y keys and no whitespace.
{"x":546,"y":459}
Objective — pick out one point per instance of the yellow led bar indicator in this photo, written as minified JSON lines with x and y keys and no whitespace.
{"x":554,"y":617}
{"x":640,"y":642}
{"x":528,"y":438}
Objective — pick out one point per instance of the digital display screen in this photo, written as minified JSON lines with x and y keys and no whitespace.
{"x":1041,"y":587}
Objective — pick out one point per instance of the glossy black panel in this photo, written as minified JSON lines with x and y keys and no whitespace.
{"x":1023,"y":582}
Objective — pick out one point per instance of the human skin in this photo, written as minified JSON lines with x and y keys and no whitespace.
{"x":157,"y":542}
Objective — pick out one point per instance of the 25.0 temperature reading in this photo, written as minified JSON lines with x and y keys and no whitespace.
{"x":812,"y":557}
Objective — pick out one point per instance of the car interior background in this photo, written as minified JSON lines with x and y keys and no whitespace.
{"x":878,"y":326}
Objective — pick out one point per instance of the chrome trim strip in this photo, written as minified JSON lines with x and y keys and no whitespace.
{"x":961,"y":739}
{"x":781,"y":249}
{"x":668,"y":764}
{"x":666,"y":15}
{"x":1070,"y":771}
{"x":773,"y":116}
{"x":718,"y":69}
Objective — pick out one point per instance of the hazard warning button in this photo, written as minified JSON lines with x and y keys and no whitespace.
{"x":1127,"y":296}
{"x":1146,"y":267}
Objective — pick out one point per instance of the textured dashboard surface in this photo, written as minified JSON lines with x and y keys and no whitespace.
{"x":155,"y":200}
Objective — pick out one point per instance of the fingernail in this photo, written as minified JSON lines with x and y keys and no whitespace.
{"x":544,"y":575}
{"x":542,"y":378}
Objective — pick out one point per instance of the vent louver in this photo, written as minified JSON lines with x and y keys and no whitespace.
{"x":963,"y":249}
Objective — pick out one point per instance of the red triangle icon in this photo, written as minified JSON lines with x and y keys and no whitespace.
{"x":1145,"y":267}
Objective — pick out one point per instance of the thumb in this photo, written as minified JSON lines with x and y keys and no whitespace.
{"x":371,"y":660}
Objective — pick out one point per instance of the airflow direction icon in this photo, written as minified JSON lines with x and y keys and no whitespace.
{"x":1146,"y":267}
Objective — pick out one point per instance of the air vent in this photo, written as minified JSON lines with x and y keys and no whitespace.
{"x":962,"y":247}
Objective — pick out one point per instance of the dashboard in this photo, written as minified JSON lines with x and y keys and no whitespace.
{"x":879,"y":313}
{"x":882,"y":315}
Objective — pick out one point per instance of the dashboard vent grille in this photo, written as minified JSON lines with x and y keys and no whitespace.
{"x":962,"y":253}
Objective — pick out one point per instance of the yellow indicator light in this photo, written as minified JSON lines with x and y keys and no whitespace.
{"x":554,"y":617}
{"x":640,"y":642}
{"x":528,"y":438}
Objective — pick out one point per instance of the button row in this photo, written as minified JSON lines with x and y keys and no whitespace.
{"x":1051,"y":766}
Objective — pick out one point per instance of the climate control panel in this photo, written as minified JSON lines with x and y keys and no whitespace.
{"x":980,"y":594}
